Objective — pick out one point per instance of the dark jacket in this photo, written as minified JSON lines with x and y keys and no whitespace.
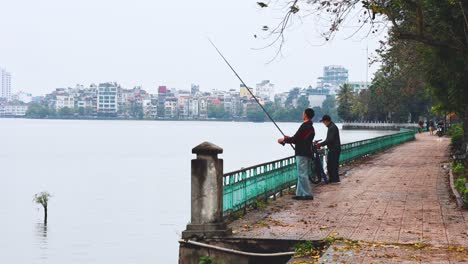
{"x":333,"y":138}
{"x":303,"y":139}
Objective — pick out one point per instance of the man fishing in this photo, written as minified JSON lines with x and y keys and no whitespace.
{"x":334,"y":149}
{"x":302,"y":139}
{"x":303,"y":151}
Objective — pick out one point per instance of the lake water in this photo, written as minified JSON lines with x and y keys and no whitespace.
{"x":121,"y":189}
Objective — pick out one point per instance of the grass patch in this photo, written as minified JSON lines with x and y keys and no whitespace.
{"x":208,"y":260}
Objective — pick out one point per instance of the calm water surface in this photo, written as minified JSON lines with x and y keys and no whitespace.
{"x":121,"y":189}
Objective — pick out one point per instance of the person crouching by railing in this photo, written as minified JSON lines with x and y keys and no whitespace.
{"x":303,"y":151}
{"x":334,"y":149}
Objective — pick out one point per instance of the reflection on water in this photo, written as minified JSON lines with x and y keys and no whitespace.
{"x":42,"y":241}
{"x":41,"y":231}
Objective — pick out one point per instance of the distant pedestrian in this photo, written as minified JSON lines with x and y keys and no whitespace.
{"x":440,"y":128}
{"x":420,"y":126}
{"x":431,"y":127}
{"x":303,"y":151}
{"x":334,"y":149}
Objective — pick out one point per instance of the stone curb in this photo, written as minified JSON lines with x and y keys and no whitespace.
{"x":458,"y":198}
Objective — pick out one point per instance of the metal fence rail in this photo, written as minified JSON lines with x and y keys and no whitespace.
{"x":359,"y":149}
{"x":380,"y":124}
{"x":244,"y":187}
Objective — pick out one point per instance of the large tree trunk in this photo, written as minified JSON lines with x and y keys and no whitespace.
{"x":465,"y":130}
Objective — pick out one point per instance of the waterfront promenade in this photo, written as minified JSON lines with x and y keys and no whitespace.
{"x":397,"y":204}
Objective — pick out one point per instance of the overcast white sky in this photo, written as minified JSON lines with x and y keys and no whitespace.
{"x":47,"y":44}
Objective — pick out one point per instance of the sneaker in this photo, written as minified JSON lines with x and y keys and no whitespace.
{"x":303,"y":197}
{"x":335,"y":183}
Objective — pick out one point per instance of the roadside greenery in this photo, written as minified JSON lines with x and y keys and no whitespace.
{"x":459,"y":168}
{"x":460,"y":185}
{"x":307,"y":249}
{"x":208,"y":260}
{"x":426,"y":52}
{"x":291,"y":113}
{"x":456,"y":135}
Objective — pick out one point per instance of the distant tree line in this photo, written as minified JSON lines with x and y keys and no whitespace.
{"x":289,"y":113}
{"x":38,"y":110}
{"x":386,"y":100}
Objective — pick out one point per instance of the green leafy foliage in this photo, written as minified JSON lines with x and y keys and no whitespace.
{"x":36,"y":110}
{"x":217,"y":111}
{"x":236,"y":215}
{"x":329,"y":108}
{"x":456,"y":134}
{"x":208,"y":260}
{"x":260,"y":204}
{"x":424,"y":60}
{"x":256,"y":115}
{"x":42,"y":198}
{"x":460,"y":184}
{"x":459,"y":168}
{"x":464,"y":195}
{"x":306,"y":248}
{"x":345,"y":98}
{"x":65,"y":112}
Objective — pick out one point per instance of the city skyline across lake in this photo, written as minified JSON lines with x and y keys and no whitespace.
{"x":155,"y":42}
{"x":111,"y":100}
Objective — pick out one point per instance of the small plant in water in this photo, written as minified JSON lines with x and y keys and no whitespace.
{"x":43,"y":199}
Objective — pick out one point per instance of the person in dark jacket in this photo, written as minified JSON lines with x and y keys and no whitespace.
{"x":334,"y":148}
{"x":303,"y":151}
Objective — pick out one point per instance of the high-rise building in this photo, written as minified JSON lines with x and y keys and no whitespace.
{"x":22,"y":97}
{"x":244,"y":92}
{"x":5,"y":84}
{"x":11,"y":110}
{"x":64,"y":100}
{"x":316,"y":96}
{"x":162,"y":94}
{"x":359,"y":86}
{"x":194,"y":89}
{"x":107,"y":99}
{"x":333,"y":77}
{"x":266,"y":91}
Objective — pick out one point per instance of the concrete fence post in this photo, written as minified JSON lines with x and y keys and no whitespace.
{"x":207,"y":194}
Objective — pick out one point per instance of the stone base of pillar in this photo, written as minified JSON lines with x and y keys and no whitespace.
{"x":202,"y":231}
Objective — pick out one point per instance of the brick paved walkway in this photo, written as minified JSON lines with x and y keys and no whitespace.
{"x":399,"y":196}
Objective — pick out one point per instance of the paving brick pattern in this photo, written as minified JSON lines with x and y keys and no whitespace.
{"x":398,"y":196}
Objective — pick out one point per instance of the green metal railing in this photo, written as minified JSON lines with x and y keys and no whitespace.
{"x":244,"y":187}
{"x":359,"y":149}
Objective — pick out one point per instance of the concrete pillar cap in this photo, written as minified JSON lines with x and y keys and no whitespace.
{"x":207,"y":148}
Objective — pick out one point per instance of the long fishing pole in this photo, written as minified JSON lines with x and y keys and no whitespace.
{"x":245,"y":85}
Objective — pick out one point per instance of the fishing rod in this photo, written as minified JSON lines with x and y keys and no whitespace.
{"x":245,"y":85}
